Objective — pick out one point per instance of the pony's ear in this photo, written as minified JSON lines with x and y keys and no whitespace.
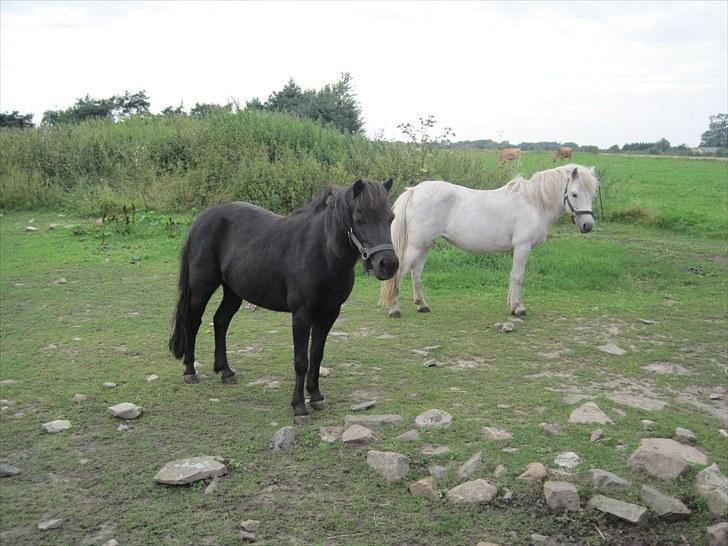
{"x":357,"y":187}
{"x":574,"y":173}
{"x":388,"y":185}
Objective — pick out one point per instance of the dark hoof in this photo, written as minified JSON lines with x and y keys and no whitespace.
{"x":395,"y":314}
{"x":320,"y":405}
{"x":231,"y":379}
{"x":519,"y":311}
{"x":192,"y":378}
{"x":302,"y":419}
{"x":423,"y":309}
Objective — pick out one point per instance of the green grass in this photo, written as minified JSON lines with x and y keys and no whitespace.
{"x":119,"y":297}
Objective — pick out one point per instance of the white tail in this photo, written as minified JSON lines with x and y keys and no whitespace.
{"x":388,"y":292}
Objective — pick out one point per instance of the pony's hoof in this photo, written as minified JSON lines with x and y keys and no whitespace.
{"x":423,"y":309}
{"x":192,"y":378}
{"x":231,"y":379}
{"x":302,"y":419}
{"x":320,"y":405}
{"x":519,"y":311}
{"x":395,"y":314}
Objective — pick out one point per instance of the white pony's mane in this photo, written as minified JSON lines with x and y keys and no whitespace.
{"x":546,"y":188}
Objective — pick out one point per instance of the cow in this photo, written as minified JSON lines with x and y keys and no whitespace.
{"x":508,"y":154}
{"x":563,"y":153}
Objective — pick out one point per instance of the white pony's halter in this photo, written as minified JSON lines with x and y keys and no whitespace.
{"x":574,"y":213}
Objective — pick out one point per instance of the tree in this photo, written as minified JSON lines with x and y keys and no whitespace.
{"x":118,"y":107}
{"x":423,"y":142}
{"x":173,"y":111}
{"x":717,"y":133}
{"x":206,"y":109}
{"x":16,"y":119}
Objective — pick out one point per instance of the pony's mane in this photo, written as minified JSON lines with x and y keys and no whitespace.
{"x":546,"y":188}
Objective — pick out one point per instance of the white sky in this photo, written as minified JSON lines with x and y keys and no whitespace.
{"x":591,"y":72}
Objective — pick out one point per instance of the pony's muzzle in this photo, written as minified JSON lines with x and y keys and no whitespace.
{"x":587,"y":226}
{"x":384,"y":265}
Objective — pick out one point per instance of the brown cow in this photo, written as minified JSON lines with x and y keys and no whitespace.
{"x":508,"y":154}
{"x":563,"y":153}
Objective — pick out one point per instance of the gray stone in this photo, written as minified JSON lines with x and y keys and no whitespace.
{"x":393,"y":466}
{"x":330,"y":434}
{"x":469,"y":467}
{"x":283,"y":438}
{"x":79,"y":397}
{"x":589,"y":413}
{"x":433,"y":418}
{"x":50,"y":524}
{"x":626,"y":511}
{"x":472,"y":492}
{"x":7,"y":470}
{"x":534,"y":472}
{"x":56,"y":426}
{"x":504,"y":327}
{"x":685,"y":436}
{"x":712,"y":485}
{"x":251,"y":525}
{"x":410,"y":435}
{"x":611,"y":349}
{"x":664,"y":506}
{"x":112,"y":542}
{"x":597,"y":435}
{"x":539,"y":539}
{"x":665,"y":458}
{"x":152,"y":377}
{"x":363,"y":406}
{"x":567,"y":460}
{"x":186,"y":471}
{"x":717,"y":534}
{"x":554,"y":429}
{"x":371,"y":421}
{"x":605,"y":481}
{"x":123,"y":427}
{"x":637,"y":401}
{"x":497,"y":434}
{"x":126,"y":410}
{"x":438,"y":471}
{"x":666,"y":368}
{"x":561,"y":496}
{"x":426,"y":487}
{"x":668,"y":445}
{"x":247,"y":536}
{"x":357,"y":434}
{"x":324,"y":371}
{"x":108,"y":385}
{"x":500,"y":471}
{"x":435,"y":450}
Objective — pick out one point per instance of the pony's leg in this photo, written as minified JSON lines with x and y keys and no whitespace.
{"x":321,"y":327}
{"x":224,"y":314}
{"x":301,"y":334}
{"x":518,"y":271}
{"x":418,"y":264}
{"x":199,"y":297}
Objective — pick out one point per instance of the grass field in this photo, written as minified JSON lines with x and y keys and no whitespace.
{"x":110,"y":321}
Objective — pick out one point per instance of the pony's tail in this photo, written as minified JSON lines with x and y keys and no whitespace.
{"x":181,"y":323}
{"x":388,"y":291}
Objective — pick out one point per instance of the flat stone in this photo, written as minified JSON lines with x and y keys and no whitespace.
{"x":56,"y":426}
{"x":596,"y":435}
{"x":372,"y":421}
{"x":712,"y":485}
{"x":152,"y":377}
{"x":123,"y":427}
{"x":283,"y":438}
{"x":186,"y":471}
{"x":435,"y":450}
{"x":108,"y":385}
{"x":507,"y":495}
{"x":717,"y":535}
{"x":393,"y":466}
{"x":7,"y":470}
{"x":510,"y":450}
{"x":476,"y":491}
{"x":658,"y":464}
{"x":500,"y":471}
{"x":685,"y":436}
{"x":469,"y":467}
{"x":426,"y":487}
{"x":247,"y":536}
{"x":667,"y":445}
{"x":504,"y":327}
{"x":561,"y":496}
{"x":538,"y":539}
{"x":534,"y":472}
{"x":666,"y":368}
{"x":8,"y":382}
{"x":611,"y":349}
{"x":647,"y":321}
{"x":487,"y":544}
{"x":251,"y":525}
{"x":357,"y":434}
{"x":497,"y":434}
{"x":409,"y":436}
{"x":572,"y":399}
{"x":568,"y":460}
{"x":433,"y":418}
{"x":432,"y":363}
{"x":31,"y":228}
{"x":589,"y":413}
{"x":554,"y":429}
{"x":647,"y":422}
{"x":126,"y":410}
{"x":112,"y":542}
{"x":438,"y":471}
{"x":363,"y":406}
{"x":637,"y":401}
{"x":324,"y":372}
{"x":330,"y":434}
{"x":625,"y":511}
{"x":664,"y":506}
{"x":79,"y":397}
{"x":50,"y":524}
{"x":605,"y":481}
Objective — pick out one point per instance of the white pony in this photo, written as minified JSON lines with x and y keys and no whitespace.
{"x":515,"y":216}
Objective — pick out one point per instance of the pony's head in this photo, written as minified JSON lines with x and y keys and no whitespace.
{"x":369,"y":226}
{"x":581,"y":185}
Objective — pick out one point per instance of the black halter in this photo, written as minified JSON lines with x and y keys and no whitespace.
{"x":366,"y":252}
{"x":567,"y":202}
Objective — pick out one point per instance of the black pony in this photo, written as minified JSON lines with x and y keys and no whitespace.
{"x":302,"y":264}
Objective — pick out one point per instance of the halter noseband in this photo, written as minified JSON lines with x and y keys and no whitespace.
{"x":366,"y":252}
{"x":567,"y":202}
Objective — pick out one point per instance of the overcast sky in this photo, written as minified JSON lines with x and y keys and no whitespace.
{"x":591,"y":72}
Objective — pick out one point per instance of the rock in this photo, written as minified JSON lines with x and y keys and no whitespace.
{"x":666,"y":368}
{"x":410,"y":435}
{"x":364,"y":406}
{"x":433,"y":418}
{"x":330,"y":434}
{"x":79,"y":397}
{"x":324,"y":372}
{"x":247,"y":536}
{"x":561,"y":496}
{"x":567,"y":460}
{"x":432,"y":363}
{"x":538,"y":539}
{"x":597,"y":435}
{"x":497,"y":434}
{"x":469,"y":467}
{"x":664,"y":506}
{"x":7,"y":382}
{"x":425,"y":487}
{"x":504,"y":327}
{"x":534,"y":472}
{"x":438,"y":471}
{"x":647,"y":422}
{"x":357,"y":434}
{"x":126,"y":410}
{"x":472,"y":492}
{"x":186,"y":471}
{"x":112,"y":542}
{"x":109,"y":385}
{"x":712,"y":485}
{"x":626,"y":511}
{"x":435,"y":450}
{"x":251,"y":525}
{"x":50,"y":524}
{"x":605,"y":481}
{"x":7,"y":470}
{"x":213,"y":400}
{"x":31,"y":228}
{"x":647,"y":321}
{"x":685,"y":436}
{"x":665,"y":458}
{"x":717,"y":534}
{"x":510,"y":450}
{"x":393,"y":466}
{"x":589,"y":413}
{"x":500,"y":471}
{"x":554,"y":429}
{"x":283,"y":438}
{"x":123,"y":427}
{"x":487,"y":544}
{"x":611,"y":349}
{"x":211,"y":486}
{"x":56,"y":426}
{"x":372,"y":421}
{"x":152,"y":377}
{"x":637,"y":401}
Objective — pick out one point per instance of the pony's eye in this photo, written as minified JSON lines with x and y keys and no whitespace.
{"x":573,"y":195}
